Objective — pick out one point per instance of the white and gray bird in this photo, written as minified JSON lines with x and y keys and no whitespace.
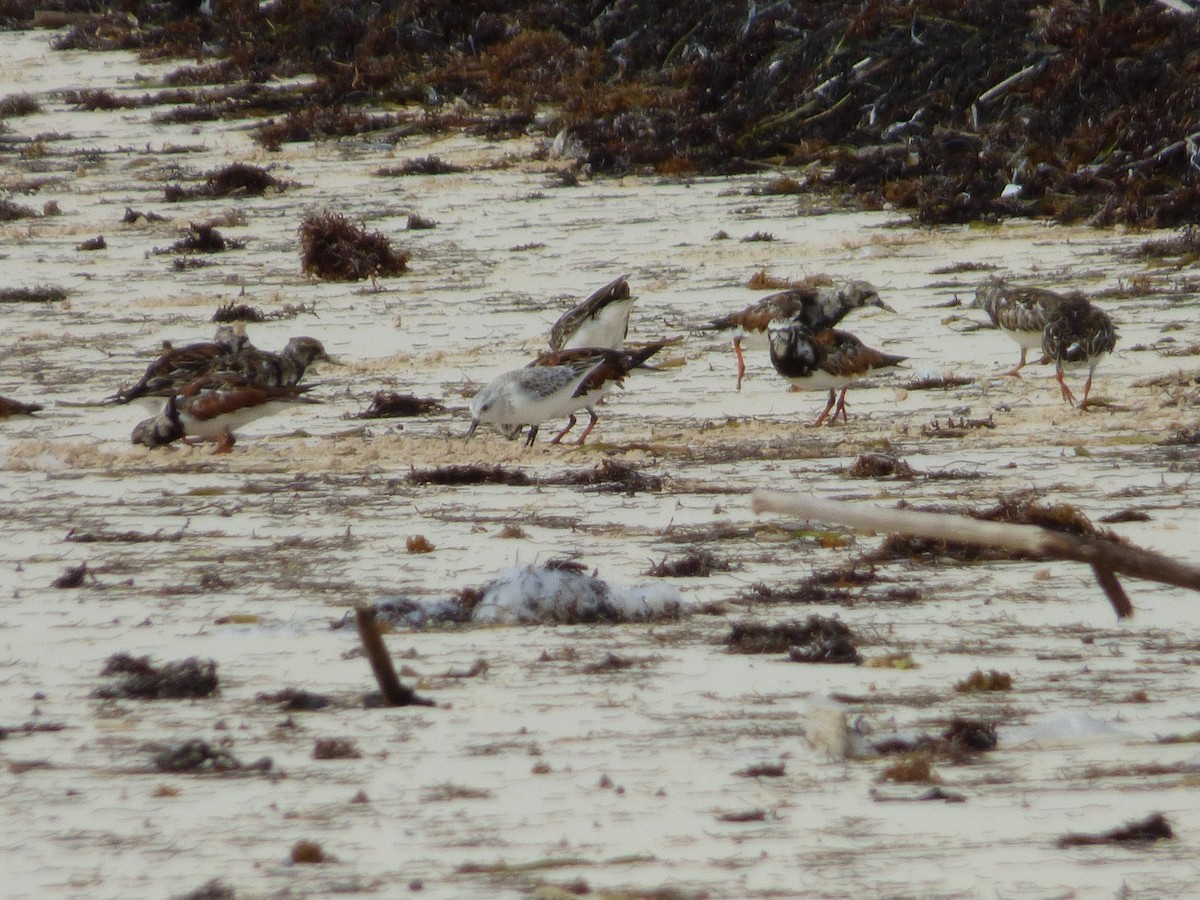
{"x":531,"y":395}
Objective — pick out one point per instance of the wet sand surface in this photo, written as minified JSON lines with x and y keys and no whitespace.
{"x":601,"y":757}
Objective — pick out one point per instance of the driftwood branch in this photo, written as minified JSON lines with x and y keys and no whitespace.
{"x":1106,"y":558}
{"x":394,"y":693}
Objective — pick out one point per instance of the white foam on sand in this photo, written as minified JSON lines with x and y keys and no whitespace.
{"x":529,"y":594}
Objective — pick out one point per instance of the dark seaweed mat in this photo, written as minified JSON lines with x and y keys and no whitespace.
{"x":141,"y":679}
{"x":895,"y":96}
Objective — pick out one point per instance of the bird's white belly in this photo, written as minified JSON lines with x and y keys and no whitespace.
{"x":607,"y":329}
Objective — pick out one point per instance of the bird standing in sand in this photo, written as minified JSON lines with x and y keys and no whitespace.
{"x":815,"y":307}
{"x":1021,"y":313}
{"x":211,"y":407}
{"x":824,"y":360}
{"x":1078,"y":334}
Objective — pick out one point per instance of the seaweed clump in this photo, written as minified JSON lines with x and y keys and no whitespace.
{"x":390,"y":405}
{"x":141,"y":679}
{"x":237,"y":179}
{"x":818,"y":640}
{"x":962,"y":112}
{"x":1013,"y":509}
{"x":696,"y":563}
{"x":333,"y":248}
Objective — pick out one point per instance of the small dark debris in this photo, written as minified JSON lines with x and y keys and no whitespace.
{"x":1184,"y":244}
{"x":197,"y":755}
{"x":610,"y":663}
{"x":132,"y":215}
{"x":982,"y":682}
{"x":31,"y":728}
{"x":237,"y":179}
{"x":1185,"y":437}
{"x":422,"y":165}
{"x":750,"y":815}
{"x":762,"y":770}
{"x":202,"y":238}
{"x":308,"y":852}
{"x":390,"y":405}
{"x":879,"y":465}
{"x":468,"y":474}
{"x":333,"y":248}
{"x":121,"y":537}
{"x":238,"y":312}
{"x":1154,"y":827}
{"x":140,"y":679}
{"x":335,"y":748}
{"x":1126,"y":515}
{"x":612,"y":475}
{"x":210,"y":890}
{"x":971,"y":734}
{"x":939,"y":793}
{"x":71,"y":578}
{"x":418,"y":222}
{"x":32,"y":295}
{"x":15,"y":105}
{"x":963,"y":267}
{"x":937,"y":382}
{"x":696,"y":563}
{"x":295,"y":700}
{"x":757,"y":236}
{"x":955,"y":428}
{"x":11,"y":211}
{"x":96,"y":243}
{"x":818,"y":639}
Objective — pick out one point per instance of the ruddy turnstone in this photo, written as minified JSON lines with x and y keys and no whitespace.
{"x":1078,"y":334}
{"x":177,"y":366}
{"x":10,"y":408}
{"x":211,"y":407}
{"x":230,"y":353}
{"x":608,"y":372}
{"x":824,"y":360}
{"x":1020,"y":312}
{"x":531,"y":395}
{"x":815,"y":307}
{"x":276,"y":369}
{"x":602,"y":320}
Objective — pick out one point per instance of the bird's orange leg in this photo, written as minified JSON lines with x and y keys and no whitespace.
{"x":557,"y":439}
{"x":225,"y":442}
{"x":828,"y":407}
{"x":737,"y":349}
{"x":1015,"y":371}
{"x":590,"y":426}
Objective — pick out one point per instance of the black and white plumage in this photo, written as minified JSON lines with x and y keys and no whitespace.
{"x":824,"y":360}
{"x":602,"y":320}
{"x":210,"y":408}
{"x":814,"y":307}
{"x":176,"y":366}
{"x":1020,"y":312}
{"x":1078,"y":334}
{"x":229,"y":353}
